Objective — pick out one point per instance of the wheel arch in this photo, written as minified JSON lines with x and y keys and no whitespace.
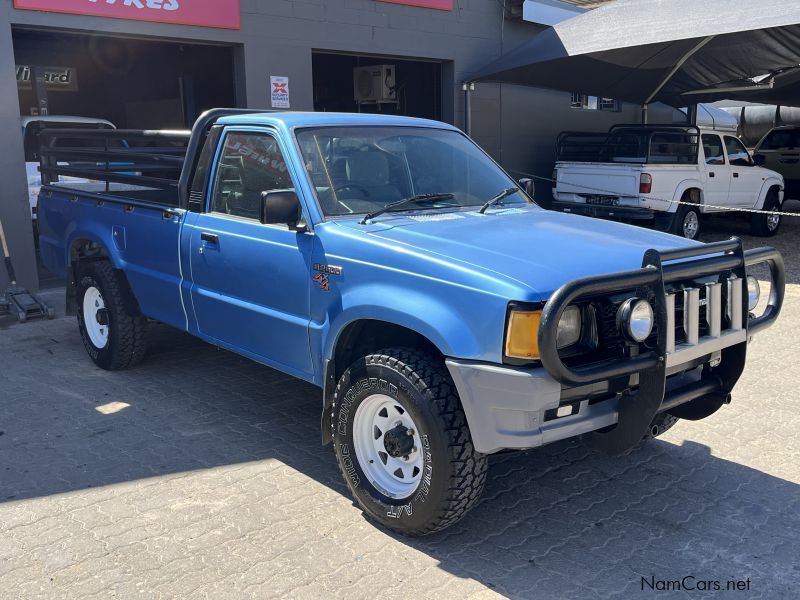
{"x":771,"y":183}
{"x":689,"y":191}
{"x":80,"y":249}
{"x":358,"y":338}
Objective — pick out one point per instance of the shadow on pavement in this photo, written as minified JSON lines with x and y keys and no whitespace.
{"x":555,"y":522}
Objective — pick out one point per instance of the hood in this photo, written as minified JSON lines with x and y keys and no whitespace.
{"x":537,"y":248}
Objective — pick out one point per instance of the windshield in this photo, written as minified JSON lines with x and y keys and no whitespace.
{"x":357,"y":170}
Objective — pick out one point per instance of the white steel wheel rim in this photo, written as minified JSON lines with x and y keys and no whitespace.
{"x":395,"y":476}
{"x":773,"y":219}
{"x":92,"y":305}
{"x":690,"y":225}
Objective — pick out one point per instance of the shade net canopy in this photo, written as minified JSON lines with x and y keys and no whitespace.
{"x":678,"y":52}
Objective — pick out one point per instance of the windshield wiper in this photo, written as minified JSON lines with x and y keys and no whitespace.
{"x":410,"y":200}
{"x":505,"y":193}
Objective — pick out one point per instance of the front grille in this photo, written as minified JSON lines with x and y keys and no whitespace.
{"x":696,"y":311}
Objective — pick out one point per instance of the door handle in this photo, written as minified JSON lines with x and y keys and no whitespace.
{"x":210,"y":238}
{"x":711,"y":174}
{"x":735,"y":174}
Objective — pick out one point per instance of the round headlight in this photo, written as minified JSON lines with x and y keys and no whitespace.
{"x":753,"y":292}
{"x":635,"y":319}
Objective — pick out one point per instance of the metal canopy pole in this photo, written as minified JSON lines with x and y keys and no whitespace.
{"x":677,"y":66}
{"x":691,"y":114}
{"x":670,"y":75}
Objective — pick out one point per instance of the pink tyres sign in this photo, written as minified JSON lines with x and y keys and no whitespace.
{"x":224,"y":14}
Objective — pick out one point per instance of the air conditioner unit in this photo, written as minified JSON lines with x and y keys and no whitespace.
{"x":375,"y":83}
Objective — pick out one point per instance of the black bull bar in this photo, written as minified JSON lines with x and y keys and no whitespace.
{"x":729,"y":261}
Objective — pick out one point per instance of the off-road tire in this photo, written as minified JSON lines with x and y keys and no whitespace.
{"x":758,"y":222}
{"x":660,"y":424}
{"x":453,"y":472}
{"x":684,"y":210}
{"x":127,"y":337}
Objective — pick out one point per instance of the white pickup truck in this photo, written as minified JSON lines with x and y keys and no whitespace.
{"x":666,"y":175}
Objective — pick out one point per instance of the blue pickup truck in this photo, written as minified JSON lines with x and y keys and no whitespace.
{"x":391,"y":262}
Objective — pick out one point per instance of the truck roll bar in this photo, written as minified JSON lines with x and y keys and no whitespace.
{"x":725,"y":258}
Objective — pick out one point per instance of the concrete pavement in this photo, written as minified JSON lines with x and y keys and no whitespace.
{"x":200,"y":474}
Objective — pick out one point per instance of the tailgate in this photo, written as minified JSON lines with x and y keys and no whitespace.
{"x":597,"y":180}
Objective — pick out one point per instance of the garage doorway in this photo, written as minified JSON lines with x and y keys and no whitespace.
{"x":377,"y":84}
{"x":134,"y":83}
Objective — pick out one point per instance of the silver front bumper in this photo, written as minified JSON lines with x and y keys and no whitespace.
{"x":505,"y":407}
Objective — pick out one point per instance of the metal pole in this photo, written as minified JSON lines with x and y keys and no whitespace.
{"x":468,"y":87}
{"x":677,"y":67}
{"x":644,"y":114}
{"x":691,"y":114}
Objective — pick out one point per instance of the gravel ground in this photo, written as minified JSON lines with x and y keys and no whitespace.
{"x":200,"y":474}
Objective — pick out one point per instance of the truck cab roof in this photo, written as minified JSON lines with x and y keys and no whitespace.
{"x":294,"y":119}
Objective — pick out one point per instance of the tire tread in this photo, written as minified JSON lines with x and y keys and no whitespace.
{"x":130,"y":342}
{"x":428,"y":373}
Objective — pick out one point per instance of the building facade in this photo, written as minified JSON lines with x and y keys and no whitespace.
{"x":159,"y":63}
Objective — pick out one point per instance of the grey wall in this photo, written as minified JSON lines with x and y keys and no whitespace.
{"x":15,"y":212}
{"x":516,"y":125}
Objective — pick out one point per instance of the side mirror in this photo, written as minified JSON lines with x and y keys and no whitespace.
{"x":527,"y":184}
{"x":759,"y":160}
{"x":282,"y":207}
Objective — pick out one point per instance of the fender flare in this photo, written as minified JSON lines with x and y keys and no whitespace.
{"x":766,"y":186}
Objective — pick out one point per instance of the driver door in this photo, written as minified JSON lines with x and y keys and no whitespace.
{"x":250,"y":281}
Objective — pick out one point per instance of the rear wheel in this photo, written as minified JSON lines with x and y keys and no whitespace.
{"x":402,"y":442}
{"x":112,"y":328}
{"x":686,"y":222}
{"x":766,"y":224}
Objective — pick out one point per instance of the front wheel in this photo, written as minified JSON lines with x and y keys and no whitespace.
{"x":402,"y":442}
{"x":767,"y":223}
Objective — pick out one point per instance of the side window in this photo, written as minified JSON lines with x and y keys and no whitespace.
{"x":712,"y":148}
{"x":780,"y":139}
{"x":249,"y":164}
{"x":738,"y":155}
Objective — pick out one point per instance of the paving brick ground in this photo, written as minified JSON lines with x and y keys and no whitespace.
{"x":200,"y":474}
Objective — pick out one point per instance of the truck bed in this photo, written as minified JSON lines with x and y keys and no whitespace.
{"x":145,"y":233}
{"x":135,"y":165}
{"x":631,"y":144}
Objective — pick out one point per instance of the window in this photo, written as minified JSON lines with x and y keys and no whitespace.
{"x":594,"y":102}
{"x":250,"y":163}
{"x":712,"y":148}
{"x":738,"y":155}
{"x":781,"y":139}
{"x":356,"y":170}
